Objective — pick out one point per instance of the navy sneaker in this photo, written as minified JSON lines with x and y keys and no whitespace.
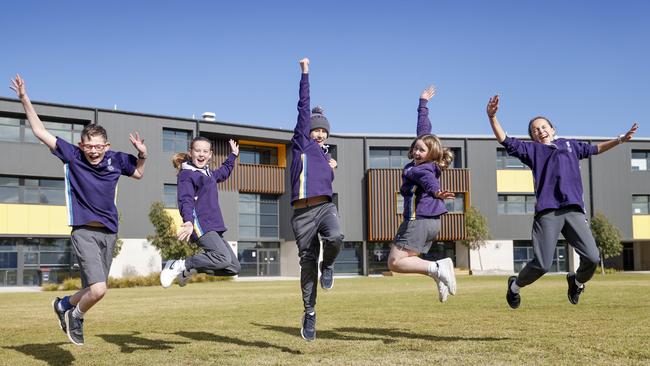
{"x":59,"y":314}
{"x":74,"y":328}
{"x":326,"y":277}
{"x":308,"y":330}
{"x":574,"y":291}
{"x":514,"y":300}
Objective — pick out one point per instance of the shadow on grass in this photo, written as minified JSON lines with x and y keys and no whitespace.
{"x":52,"y":353}
{"x":324,"y":334}
{"x":396,"y":333}
{"x":386,"y":335}
{"x":130,"y":343}
{"x":205,"y":336}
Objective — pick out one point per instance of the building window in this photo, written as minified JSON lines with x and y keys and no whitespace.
{"x":34,"y":261}
{"x":19,"y":130}
{"x":458,"y":157}
{"x":441,"y":250}
{"x":516,"y":204}
{"x":176,"y":140}
{"x":640,"y":205}
{"x":169,"y":196}
{"x":504,"y":161}
{"x":378,"y":257}
{"x":43,"y":191}
{"x":523,"y":253}
{"x":261,"y":155}
{"x":259,"y":258}
{"x":640,"y":160}
{"x":456,"y":204}
{"x":388,"y":158}
{"x":258,"y":216}
{"x":350,"y":259}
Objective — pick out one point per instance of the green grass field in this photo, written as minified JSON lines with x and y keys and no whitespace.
{"x":363,"y":321}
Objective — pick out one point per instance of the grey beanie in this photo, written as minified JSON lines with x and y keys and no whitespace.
{"x":318,"y":120}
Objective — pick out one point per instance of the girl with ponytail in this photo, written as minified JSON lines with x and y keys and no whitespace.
{"x":423,"y":206}
{"x":198,"y":203}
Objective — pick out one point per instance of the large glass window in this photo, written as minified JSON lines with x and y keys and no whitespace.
{"x":264,"y":155}
{"x":176,"y":140}
{"x":169,"y":196}
{"x":456,"y":204}
{"x":258,"y":258}
{"x":378,"y":257}
{"x":33,"y":261}
{"x":19,"y":130}
{"x":45,"y":191}
{"x":640,"y":160}
{"x":388,"y":158}
{"x":350,"y":259}
{"x":641,"y":204}
{"x":504,"y":161}
{"x":523,"y":253}
{"x":258,"y":216}
{"x":458,"y":157}
{"x":516,"y":204}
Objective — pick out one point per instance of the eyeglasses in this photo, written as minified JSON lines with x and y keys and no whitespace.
{"x":98,"y":147}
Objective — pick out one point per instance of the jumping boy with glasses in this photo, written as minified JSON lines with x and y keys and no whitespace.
{"x":91,"y":174}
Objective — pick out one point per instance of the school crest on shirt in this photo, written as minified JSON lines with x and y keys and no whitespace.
{"x":109,"y":166}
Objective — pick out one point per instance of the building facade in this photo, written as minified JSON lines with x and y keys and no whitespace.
{"x":255,"y":201}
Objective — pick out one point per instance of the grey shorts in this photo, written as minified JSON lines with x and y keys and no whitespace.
{"x":417,"y":235}
{"x":94,"y":249}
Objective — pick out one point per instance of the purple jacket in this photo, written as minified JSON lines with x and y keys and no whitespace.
{"x":421,"y":182}
{"x":198,"y":196}
{"x":311,"y":174}
{"x":90,"y":190}
{"x":556,"y":169}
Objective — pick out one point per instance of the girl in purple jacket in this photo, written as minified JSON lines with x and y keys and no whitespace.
{"x":560,"y":208}
{"x":198,"y":203}
{"x":423,"y":206}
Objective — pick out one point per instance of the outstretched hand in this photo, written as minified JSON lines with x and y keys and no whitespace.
{"x":186,"y":231}
{"x":493,"y":106}
{"x":304,"y":65}
{"x":628,"y":134}
{"x":138,"y":143}
{"x":443,"y":195}
{"x":234,"y":148}
{"x":428,"y":93}
{"x":18,"y":85}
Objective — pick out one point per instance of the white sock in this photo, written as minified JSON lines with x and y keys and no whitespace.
{"x":433,"y":268}
{"x":579,"y":284}
{"x":514,"y":287}
{"x":78,"y":313}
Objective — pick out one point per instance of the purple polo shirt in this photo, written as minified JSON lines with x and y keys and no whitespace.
{"x":311,"y":174}
{"x":556,"y":169}
{"x":90,"y":190}
{"x":198,"y":196}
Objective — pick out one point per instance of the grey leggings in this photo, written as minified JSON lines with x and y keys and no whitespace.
{"x":217,"y":257}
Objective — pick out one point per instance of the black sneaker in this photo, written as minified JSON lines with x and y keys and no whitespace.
{"x":513,"y":299}
{"x":326,"y":277}
{"x":74,"y":328}
{"x":308,"y":330}
{"x":59,"y":314}
{"x":574,"y":291}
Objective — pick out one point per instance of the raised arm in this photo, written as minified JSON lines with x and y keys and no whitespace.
{"x":301,"y":132}
{"x":424,"y":123}
{"x":492,"y":107}
{"x":139,"y":145}
{"x":18,"y":85}
{"x":226,"y":168}
{"x":604,"y":146}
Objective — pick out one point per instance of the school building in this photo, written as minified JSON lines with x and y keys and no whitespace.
{"x":34,"y":237}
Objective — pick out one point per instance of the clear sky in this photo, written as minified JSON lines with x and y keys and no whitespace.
{"x":583,"y":64}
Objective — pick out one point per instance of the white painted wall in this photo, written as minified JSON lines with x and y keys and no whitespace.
{"x":137,"y":258}
{"x":496,"y":257}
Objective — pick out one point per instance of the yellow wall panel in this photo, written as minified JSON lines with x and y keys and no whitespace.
{"x":515,"y":181}
{"x":176,"y":216}
{"x":641,"y":226}
{"x":33,"y":220}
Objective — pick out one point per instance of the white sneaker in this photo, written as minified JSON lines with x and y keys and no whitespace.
{"x":185,"y":276}
{"x":172,"y":269}
{"x":446,"y":274}
{"x":443,"y":290}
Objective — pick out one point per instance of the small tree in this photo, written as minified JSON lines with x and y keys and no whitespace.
{"x":118,"y":243}
{"x":476,"y":233}
{"x":608,"y":238}
{"x":165,"y":238}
